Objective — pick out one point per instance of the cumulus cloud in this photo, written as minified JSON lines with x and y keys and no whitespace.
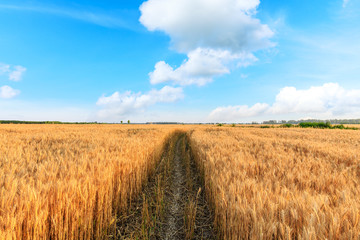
{"x":14,"y":73}
{"x":218,"y":24}
{"x":211,"y":32}
{"x":121,"y":104}
{"x":238,"y":112}
{"x":6,"y":92}
{"x":330,"y":97}
{"x":202,"y":65}
{"x":330,"y":100}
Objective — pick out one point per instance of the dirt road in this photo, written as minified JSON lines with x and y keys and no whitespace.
{"x":173,"y":204}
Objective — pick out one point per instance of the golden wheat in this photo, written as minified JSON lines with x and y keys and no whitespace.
{"x":281,"y":183}
{"x":72,"y":181}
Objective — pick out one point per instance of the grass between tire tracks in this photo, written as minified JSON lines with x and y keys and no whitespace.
{"x":173,"y":203}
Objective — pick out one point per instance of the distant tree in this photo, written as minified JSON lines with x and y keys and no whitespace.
{"x":121,"y":122}
{"x":128,"y":121}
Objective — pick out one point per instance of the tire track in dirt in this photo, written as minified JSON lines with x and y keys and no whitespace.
{"x":173,"y":204}
{"x":174,"y":219}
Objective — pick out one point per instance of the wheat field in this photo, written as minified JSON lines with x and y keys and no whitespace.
{"x":72,"y":181}
{"x":75,"y":181}
{"x":281,"y":183}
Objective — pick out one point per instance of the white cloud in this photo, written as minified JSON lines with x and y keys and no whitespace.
{"x":330,"y":97}
{"x":345,"y":2}
{"x":329,"y":100}
{"x":7,"y":92}
{"x":4,"y":68}
{"x":15,"y":73}
{"x":237,"y":112}
{"x":218,"y":24}
{"x":246,"y":59}
{"x":200,"y":68}
{"x":213,"y":33}
{"x":121,"y":104}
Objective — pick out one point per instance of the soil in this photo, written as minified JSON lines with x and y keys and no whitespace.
{"x":180,"y":184}
{"x":174,"y":228}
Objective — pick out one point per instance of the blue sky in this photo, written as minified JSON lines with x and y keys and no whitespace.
{"x":179,"y":60}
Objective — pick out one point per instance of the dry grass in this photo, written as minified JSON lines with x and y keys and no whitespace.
{"x":281,"y":183}
{"x":72,"y":181}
